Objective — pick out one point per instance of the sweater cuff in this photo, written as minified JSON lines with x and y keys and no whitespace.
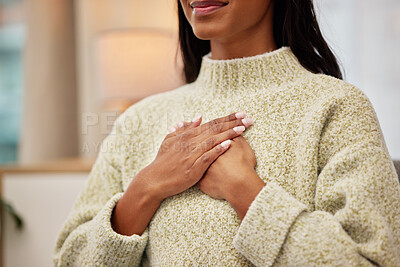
{"x":263,"y":230}
{"x":113,"y":247}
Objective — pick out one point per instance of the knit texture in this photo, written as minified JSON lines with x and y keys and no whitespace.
{"x":332,"y":196}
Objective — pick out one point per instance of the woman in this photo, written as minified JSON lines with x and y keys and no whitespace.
{"x":298,"y":174}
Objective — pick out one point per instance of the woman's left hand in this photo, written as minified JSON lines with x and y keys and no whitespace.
{"x":226,"y":175}
{"x":232,"y":177}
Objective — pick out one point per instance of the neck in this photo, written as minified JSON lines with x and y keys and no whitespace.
{"x":240,"y":49}
{"x":256,"y":40}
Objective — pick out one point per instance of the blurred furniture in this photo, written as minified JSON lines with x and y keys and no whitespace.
{"x":43,"y":195}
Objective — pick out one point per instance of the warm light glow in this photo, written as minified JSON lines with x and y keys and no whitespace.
{"x":133,"y":64}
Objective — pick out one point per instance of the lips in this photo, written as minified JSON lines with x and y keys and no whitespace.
{"x":204,"y":4}
{"x":205,"y":7}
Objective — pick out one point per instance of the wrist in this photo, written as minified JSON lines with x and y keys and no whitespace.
{"x":150,"y":190}
{"x":136,"y":207}
{"x":244,"y":191}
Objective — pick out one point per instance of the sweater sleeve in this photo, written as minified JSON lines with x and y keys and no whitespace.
{"x":355,"y":220}
{"x":87,"y":238}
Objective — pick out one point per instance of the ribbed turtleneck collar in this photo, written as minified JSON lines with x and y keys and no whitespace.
{"x":229,"y":75}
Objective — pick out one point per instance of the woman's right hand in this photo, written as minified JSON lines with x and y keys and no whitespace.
{"x":187,"y":152}
{"x":183,"y":157}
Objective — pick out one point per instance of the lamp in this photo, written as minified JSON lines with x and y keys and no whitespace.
{"x":134,"y":63}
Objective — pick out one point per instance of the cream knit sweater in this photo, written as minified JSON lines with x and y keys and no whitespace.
{"x":332,"y":196}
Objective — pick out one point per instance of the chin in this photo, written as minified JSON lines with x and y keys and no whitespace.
{"x":206,"y":34}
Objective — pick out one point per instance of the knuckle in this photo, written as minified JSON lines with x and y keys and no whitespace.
{"x":211,"y":141}
{"x":205,"y":158}
{"x":166,"y":140}
{"x":190,"y":131}
{"x":165,"y":145}
{"x":169,"y":136}
{"x":213,"y":124}
{"x":202,"y":147}
{"x":177,"y":147}
{"x":184,"y":146}
{"x":187,"y":174}
{"x":163,"y":148}
{"x":216,"y":128}
{"x":191,"y":147}
{"x":186,"y":135}
{"x":183,"y":136}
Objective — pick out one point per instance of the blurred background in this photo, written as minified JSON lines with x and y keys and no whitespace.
{"x":68,"y":68}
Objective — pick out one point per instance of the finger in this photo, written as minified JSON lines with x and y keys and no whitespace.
{"x":184,"y":125}
{"x":214,"y":140}
{"x":204,"y":161}
{"x":181,"y":124}
{"x":178,"y":127}
{"x":219,"y":128}
{"x":171,"y":129}
{"x":218,"y":121}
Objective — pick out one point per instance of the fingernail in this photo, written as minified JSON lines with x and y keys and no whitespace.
{"x":240,"y":115}
{"x":180,"y":124}
{"x":239,"y":129}
{"x":247,"y":122}
{"x":171,"y":129}
{"x":197,"y":118}
{"x":226,"y":143}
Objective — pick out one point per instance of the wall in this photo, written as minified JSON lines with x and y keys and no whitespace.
{"x":92,"y":17}
{"x":365,"y":35}
{"x":49,"y":128}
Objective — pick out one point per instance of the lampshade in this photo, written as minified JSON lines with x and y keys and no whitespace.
{"x":135,"y":63}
